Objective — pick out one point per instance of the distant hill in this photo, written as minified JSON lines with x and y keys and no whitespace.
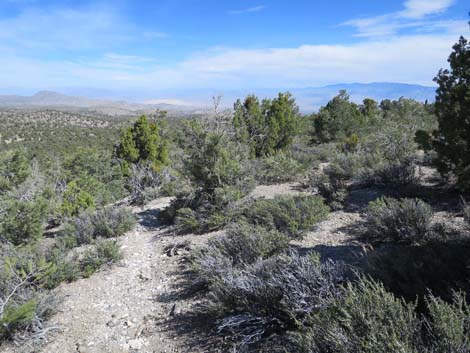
{"x":309,"y":98}
{"x":54,"y":100}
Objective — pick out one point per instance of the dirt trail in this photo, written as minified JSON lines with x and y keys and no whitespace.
{"x":129,"y":307}
{"x":113,"y":310}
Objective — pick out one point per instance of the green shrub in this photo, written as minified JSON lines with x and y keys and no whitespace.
{"x":23,"y":304}
{"x":186,"y":220}
{"x":76,"y":200}
{"x":278,"y":168}
{"x":112,"y":222}
{"x":293,"y":215}
{"x":331,"y":188}
{"x":406,"y":221}
{"x":14,"y":170}
{"x":364,"y":318}
{"x":105,"y":252}
{"x":220,"y":177}
{"x":448,"y":324}
{"x":23,"y":221}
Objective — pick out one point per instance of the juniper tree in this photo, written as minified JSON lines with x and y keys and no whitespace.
{"x":452,"y":139}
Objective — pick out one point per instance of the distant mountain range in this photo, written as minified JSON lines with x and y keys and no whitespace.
{"x":54,"y":100}
{"x":309,"y":99}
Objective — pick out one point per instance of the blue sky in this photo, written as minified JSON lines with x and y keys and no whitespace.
{"x":198,"y":44}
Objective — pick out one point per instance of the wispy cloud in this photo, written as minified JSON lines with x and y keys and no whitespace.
{"x":231,"y":68}
{"x":413,"y":16}
{"x":420,"y":8}
{"x":248,"y":10}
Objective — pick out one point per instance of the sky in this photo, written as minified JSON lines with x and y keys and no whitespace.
{"x":158,"y":45}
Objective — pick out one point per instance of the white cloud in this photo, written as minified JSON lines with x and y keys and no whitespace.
{"x":421,"y":8}
{"x":408,"y":59}
{"x":412,"y":17}
{"x":248,"y":10}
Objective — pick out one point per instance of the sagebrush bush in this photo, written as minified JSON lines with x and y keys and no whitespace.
{"x":105,"y":252}
{"x":242,"y":244}
{"x":406,"y":221}
{"x":293,"y":215}
{"x":278,"y":168}
{"x":364,"y":318}
{"x":108,"y":222}
{"x":331,"y":188}
{"x":272,"y":296}
{"x":386,"y":158}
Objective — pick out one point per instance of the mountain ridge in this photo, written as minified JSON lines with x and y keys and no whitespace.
{"x":308,"y":98}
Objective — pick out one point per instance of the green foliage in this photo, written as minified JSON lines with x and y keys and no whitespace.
{"x":23,"y":221}
{"x":406,"y":221}
{"x":292,"y":215}
{"x":142,"y":143}
{"x":365,"y":318}
{"x":266,"y":127}
{"x":22,"y":302}
{"x":277,"y":168}
{"x":214,"y":161}
{"x":338,"y":119}
{"x":187,"y":220}
{"x":386,"y":158}
{"x":14,"y":169}
{"x":76,"y":200}
{"x":104,"y":252}
{"x":452,"y":139}
{"x":449,"y":323}
{"x":219,"y":175}
{"x":331,"y":187}
{"x":424,"y":140}
{"x":14,"y":318}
